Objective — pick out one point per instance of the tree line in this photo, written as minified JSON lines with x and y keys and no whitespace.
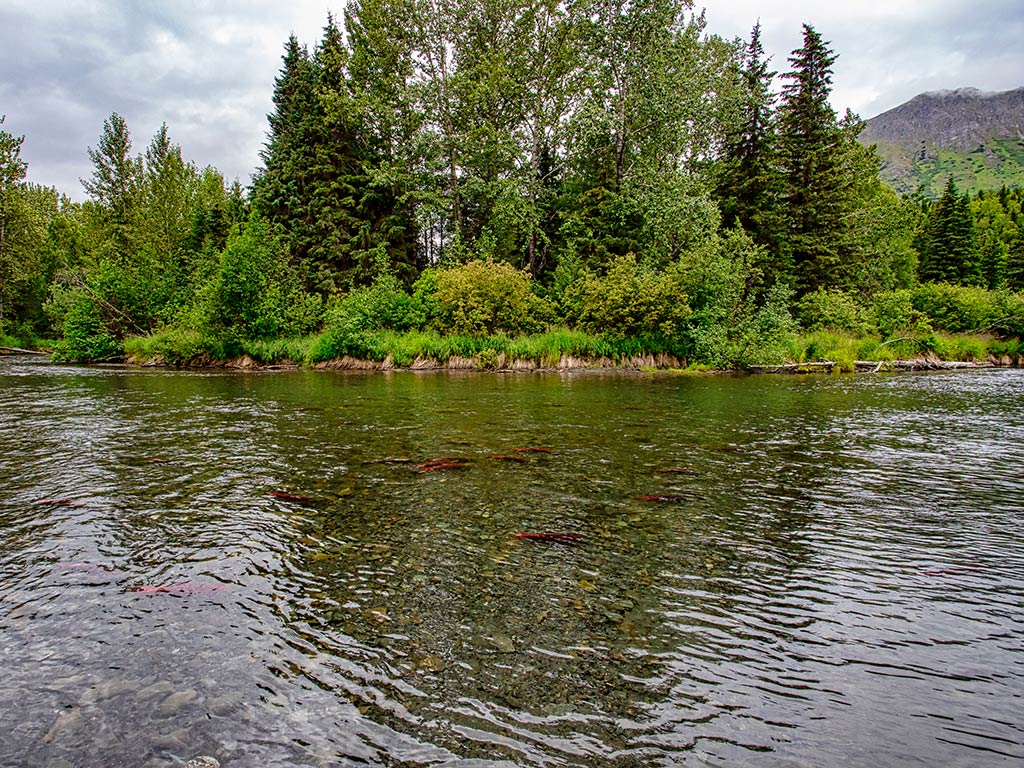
{"x":634,"y":175}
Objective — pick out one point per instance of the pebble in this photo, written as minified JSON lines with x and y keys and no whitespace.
{"x":159,"y":688}
{"x":175,"y":741}
{"x":67,"y":720}
{"x":503,"y":644}
{"x":176,"y":701}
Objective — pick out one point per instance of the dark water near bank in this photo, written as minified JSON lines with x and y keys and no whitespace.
{"x":837,"y":578}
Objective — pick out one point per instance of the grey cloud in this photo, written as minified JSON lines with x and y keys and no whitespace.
{"x":207,"y":67}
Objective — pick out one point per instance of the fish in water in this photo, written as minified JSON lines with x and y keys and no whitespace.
{"x":61,"y":502}
{"x":86,"y":568}
{"x":519,"y":459}
{"x":443,"y":463}
{"x":534,"y":449}
{"x":442,"y":466}
{"x":290,"y":496}
{"x":665,"y":498}
{"x":554,"y":538}
{"x":675,"y":471}
{"x":184,"y":589}
{"x":952,"y":570}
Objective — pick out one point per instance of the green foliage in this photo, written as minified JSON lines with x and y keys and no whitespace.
{"x":956,"y":309}
{"x":948,"y":244}
{"x":171,"y":345}
{"x":352,"y":320}
{"x":629,"y":301}
{"x":85,"y":334}
{"x":960,"y":348}
{"x":833,"y":310}
{"x":484,"y":297}
{"x":896,"y":315}
{"x":254,"y":294}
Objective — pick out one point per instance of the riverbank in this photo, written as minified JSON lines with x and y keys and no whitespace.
{"x":640,"y":363}
{"x":562,"y":349}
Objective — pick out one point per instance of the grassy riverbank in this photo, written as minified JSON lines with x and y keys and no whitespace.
{"x":557,"y":348}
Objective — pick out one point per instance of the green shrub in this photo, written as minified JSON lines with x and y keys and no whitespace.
{"x":483,"y":297}
{"x":255,"y":295}
{"x":176,"y":346}
{"x":963,"y":348}
{"x":833,"y":310}
{"x":896,"y":315}
{"x":629,"y":302}
{"x":956,"y":308}
{"x":85,"y":334}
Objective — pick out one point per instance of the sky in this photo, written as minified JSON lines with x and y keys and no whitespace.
{"x":207,"y":67}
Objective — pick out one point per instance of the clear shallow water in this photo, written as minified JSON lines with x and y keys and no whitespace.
{"x":838,"y":579}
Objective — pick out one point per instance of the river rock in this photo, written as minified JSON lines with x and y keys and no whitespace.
{"x":176,"y":701}
{"x":503,"y":643}
{"x":67,"y":721}
{"x":204,"y":761}
{"x":175,"y":741}
{"x":159,"y":688}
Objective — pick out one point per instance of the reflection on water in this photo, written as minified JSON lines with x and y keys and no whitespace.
{"x":826,"y":571}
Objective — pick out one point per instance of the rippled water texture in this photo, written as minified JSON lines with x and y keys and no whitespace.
{"x":832,"y":572}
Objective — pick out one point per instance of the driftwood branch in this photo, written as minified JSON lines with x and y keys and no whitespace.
{"x":20,"y":351}
{"x":893,"y":341}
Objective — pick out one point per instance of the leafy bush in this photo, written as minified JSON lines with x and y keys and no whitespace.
{"x":628,"y":302}
{"x":352,"y":320}
{"x":896,"y":315}
{"x":963,"y":348}
{"x":254,"y":294}
{"x":483,"y":297}
{"x":86,"y":337}
{"x":176,"y":346}
{"x":956,"y":308}
{"x":833,"y":310}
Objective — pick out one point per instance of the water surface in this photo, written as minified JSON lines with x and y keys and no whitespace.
{"x":834,"y":574}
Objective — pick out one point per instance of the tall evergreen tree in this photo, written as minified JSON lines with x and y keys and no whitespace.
{"x":115,"y":187}
{"x":380,"y":71}
{"x":281,"y":188}
{"x":816,"y":185}
{"x":749,"y":186}
{"x":949,"y":248}
{"x":12,"y":213}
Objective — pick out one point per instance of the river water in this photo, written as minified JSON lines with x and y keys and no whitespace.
{"x":762,"y":571}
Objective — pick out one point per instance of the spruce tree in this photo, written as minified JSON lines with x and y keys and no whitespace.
{"x":748,"y":184}
{"x":12,"y":173}
{"x":281,"y":189}
{"x":950,"y":250}
{"x":811,"y":155}
{"x":380,"y":71}
{"x":115,"y":187}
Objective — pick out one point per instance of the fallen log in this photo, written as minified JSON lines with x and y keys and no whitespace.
{"x":793,"y":367}
{"x":20,"y":351}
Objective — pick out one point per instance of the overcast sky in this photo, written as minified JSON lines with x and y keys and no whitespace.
{"x":206,"y":67}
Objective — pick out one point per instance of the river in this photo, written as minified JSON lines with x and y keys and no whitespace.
{"x":732,"y":571}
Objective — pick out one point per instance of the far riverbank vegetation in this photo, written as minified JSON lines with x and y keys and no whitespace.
{"x":517,"y":184}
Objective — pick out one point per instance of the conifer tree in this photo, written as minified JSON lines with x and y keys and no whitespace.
{"x":748,"y":183}
{"x":816,"y":183}
{"x":12,"y":173}
{"x":949,"y":248}
{"x":116,"y":187}
{"x":281,"y":189}
{"x":380,"y":70}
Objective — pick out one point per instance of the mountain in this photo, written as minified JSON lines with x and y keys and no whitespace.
{"x":977,"y":137}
